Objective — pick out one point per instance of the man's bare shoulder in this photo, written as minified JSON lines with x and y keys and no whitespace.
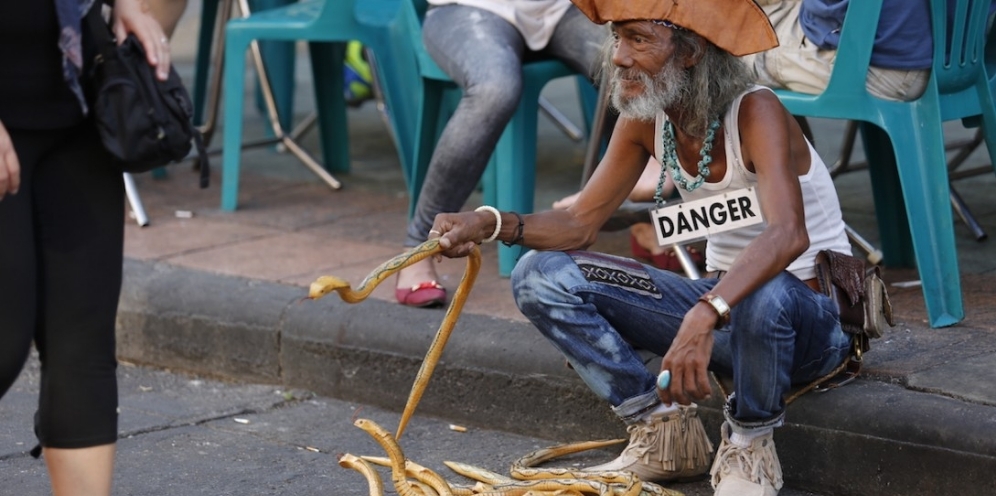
{"x":758,"y":103}
{"x":636,"y":131}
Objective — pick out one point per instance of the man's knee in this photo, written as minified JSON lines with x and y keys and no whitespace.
{"x":534,"y":278}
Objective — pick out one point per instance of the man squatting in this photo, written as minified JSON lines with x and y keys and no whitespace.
{"x":680,"y":87}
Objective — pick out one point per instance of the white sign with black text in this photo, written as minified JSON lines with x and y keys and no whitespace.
{"x":684,"y":222}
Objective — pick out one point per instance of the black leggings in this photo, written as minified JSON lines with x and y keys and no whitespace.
{"x":61,"y":245}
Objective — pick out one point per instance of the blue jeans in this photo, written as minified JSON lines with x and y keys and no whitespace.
{"x":483,"y":53}
{"x":598,"y":309}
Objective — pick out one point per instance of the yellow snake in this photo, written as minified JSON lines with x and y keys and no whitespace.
{"x":326,"y":284}
{"x":526,"y":480}
{"x":362,"y":466}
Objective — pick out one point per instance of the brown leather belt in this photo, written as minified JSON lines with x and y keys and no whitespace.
{"x":812,"y":283}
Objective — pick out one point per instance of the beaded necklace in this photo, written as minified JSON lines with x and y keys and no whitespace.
{"x":669,"y":157}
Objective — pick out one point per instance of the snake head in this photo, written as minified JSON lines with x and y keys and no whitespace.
{"x":325,"y":285}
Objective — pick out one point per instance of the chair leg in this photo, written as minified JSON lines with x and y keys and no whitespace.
{"x":515,"y":161}
{"x":600,"y":128}
{"x":966,"y":216}
{"x":209,"y":68}
{"x":965,"y":149}
{"x":843,"y":163}
{"x":281,"y":58}
{"x":235,"y":67}
{"x":425,"y":139}
{"x":925,"y":195}
{"x":398,"y":92}
{"x":588,"y":94}
{"x":560,"y":120}
{"x":874,"y":255}
{"x":894,"y":233}
{"x":333,"y":127}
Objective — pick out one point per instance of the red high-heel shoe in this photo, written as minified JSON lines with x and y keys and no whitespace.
{"x":426,"y":294}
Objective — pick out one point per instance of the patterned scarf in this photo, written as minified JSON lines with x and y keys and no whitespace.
{"x":70,"y":14}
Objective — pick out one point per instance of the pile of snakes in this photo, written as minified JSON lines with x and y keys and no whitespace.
{"x":411,"y":479}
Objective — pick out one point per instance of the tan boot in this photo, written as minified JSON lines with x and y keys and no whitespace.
{"x":750,"y":471}
{"x":664,"y":448}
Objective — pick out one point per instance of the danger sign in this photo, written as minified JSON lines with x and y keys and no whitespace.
{"x":684,"y":222}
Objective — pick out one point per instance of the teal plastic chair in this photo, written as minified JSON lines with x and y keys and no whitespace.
{"x":327,"y":26}
{"x":279,"y":59}
{"x":509,"y":182}
{"x":914,"y":166}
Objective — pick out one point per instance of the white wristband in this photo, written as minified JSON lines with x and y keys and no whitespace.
{"x":494,"y":235}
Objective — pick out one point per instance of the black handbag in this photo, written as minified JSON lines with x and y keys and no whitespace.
{"x":143,"y":122}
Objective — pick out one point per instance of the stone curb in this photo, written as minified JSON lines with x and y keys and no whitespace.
{"x":870,"y":438}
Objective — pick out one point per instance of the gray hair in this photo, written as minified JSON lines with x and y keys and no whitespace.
{"x":716,"y":80}
{"x":712,"y":83}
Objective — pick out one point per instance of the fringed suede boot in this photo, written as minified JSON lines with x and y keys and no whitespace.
{"x":666,"y":447}
{"x":751,"y":470}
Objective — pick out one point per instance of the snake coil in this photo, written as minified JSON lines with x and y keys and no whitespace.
{"x":526,"y":479}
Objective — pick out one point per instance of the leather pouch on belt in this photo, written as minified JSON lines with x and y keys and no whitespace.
{"x":861,"y":295}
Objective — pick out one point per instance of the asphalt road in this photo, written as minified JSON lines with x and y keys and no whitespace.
{"x":187,"y":435}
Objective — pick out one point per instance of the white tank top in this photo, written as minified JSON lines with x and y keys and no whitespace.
{"x":535,"y":19}
{"x":822,"y":208}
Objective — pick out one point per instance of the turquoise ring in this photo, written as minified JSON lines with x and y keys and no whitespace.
{"x":664,"y":379}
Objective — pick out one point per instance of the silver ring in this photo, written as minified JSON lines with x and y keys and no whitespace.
{"x":664,"y":379}
{"x":164,"y":40}
{"x":433,"y":231}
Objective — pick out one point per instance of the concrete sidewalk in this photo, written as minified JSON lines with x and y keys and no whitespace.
{"x":222,"y":294}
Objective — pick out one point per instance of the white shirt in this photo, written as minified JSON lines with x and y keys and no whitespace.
{"x":535,"y":19}
{"x":822,"y":208}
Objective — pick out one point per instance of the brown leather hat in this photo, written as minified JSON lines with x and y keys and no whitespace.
{"x":737,"y":26}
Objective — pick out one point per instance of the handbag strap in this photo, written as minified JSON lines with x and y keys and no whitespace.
{"x":99,"y":29}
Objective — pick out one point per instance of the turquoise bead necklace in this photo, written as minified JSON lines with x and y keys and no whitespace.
{"x":669,"y":156}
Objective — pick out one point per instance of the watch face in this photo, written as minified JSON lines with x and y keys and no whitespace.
{"x":720,"y":306}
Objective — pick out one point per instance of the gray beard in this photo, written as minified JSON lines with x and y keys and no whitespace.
{"x":660,"y":92}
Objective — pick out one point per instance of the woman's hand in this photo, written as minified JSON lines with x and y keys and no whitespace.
{"x":135,"y":16}
{"x":10,"y":168}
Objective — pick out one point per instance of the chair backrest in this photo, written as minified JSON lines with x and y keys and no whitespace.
{"x":857,"y":37}
{"x":959,"y":31}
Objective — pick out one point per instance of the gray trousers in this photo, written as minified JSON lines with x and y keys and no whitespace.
{"x":484,"y":53}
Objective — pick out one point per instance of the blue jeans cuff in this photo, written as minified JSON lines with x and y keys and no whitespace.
{"x":743,"y":425}
{"x":635,"y":407}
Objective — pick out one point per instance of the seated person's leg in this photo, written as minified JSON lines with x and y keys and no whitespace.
{"x":578,"y":42}
{"x":895,"y":84}
{"x":483,"y":54}
{"x":796,"y":64}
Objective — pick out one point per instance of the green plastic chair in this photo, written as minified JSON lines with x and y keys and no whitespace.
{"x":327,"y":26}
{"x":914,"y":166}
{"x":509,"y":182}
